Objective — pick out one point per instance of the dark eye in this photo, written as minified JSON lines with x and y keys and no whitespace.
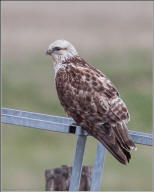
{"x":57,"y":48}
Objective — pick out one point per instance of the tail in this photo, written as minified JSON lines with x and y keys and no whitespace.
{"x":116,"y":139}
{"x":124,"y":137}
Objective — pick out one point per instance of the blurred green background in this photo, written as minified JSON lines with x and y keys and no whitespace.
{"x":115,"y":37}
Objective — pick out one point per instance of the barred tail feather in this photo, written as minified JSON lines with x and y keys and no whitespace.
{"x":113,"y":141}
{"x":124,"y":137}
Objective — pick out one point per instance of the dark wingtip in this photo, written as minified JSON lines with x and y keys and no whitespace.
{"x":123,"y":161}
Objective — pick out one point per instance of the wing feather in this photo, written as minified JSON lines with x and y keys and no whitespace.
{"x":91,"y":99}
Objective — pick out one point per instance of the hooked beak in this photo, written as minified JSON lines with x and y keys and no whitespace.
{"x":49,"y":52}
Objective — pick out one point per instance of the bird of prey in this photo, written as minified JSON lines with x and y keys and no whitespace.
{"x":91,"y":99}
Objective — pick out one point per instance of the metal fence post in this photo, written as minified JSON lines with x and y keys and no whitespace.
{"x":98,"y":168}
{"x":77,"y":166}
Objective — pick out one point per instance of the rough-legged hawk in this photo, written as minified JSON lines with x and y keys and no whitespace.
{"x":91,"y":99}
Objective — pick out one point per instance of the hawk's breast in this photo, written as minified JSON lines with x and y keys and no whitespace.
{"x":79,"y":96}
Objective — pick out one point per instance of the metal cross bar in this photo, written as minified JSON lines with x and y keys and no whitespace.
{"x":58,"y":124}
{"x":63,"y":125}
{"x":141,"y":138}
{"x":39,"y":121}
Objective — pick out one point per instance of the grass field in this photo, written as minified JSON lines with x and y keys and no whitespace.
{"x":115,"y":37}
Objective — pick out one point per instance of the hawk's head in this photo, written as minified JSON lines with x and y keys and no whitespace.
{"x":61,"y":49}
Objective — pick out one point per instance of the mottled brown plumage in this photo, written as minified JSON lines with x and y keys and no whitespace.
{"x":91,"y":99}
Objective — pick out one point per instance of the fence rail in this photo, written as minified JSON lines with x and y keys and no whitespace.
{"x":63,"y":125}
